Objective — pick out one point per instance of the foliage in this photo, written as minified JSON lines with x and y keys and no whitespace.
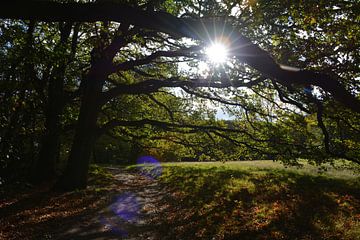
{"x":47,"y":73}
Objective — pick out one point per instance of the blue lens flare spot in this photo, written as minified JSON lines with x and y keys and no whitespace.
{"x":149,"y":167}
{"x":126,"y":207}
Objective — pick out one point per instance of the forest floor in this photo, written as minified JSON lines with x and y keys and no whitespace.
{"x":246,"y":200}
{"x":117,"y":204}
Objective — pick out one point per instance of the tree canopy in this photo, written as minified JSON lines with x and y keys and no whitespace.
{"x":84,"y":79}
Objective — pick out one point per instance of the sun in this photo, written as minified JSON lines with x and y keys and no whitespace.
{"x":216,"y":53}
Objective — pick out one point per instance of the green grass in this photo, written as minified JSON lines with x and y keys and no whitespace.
{"x":260,"y":200}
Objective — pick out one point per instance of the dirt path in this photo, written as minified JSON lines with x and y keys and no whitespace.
{"x":131,"y":214}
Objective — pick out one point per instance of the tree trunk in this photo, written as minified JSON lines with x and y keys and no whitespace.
{"x":75,"y":175}
{"x":76,"y":172}
{"x":45,"y":167}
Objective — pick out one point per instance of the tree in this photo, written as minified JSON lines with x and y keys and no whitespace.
{"x":20,"y":96}
{"x":124,"y":61}
{"x":50,"y":148}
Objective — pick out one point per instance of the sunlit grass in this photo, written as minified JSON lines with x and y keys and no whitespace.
{"x":339,"y":170}
{"x":261,"y":200}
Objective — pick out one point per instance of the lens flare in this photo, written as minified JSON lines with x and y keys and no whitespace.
{"x":216,"y":53}
{"x":125,"y":210}
{"x":126,"y":207}
{"x":149,"y":167}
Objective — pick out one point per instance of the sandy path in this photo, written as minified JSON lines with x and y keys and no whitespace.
{"x":131,"y":214}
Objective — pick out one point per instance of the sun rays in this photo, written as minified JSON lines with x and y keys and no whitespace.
{"x":217,"y":53}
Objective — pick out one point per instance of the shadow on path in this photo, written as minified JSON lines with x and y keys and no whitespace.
{"x":129,"y":215}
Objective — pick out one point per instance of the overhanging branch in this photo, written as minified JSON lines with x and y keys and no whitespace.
{"x":170,"y":125}
{"x":153,"y":85}
{"x":198,"y":29}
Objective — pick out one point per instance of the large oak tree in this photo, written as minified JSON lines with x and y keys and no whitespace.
{"x":281,"y":71}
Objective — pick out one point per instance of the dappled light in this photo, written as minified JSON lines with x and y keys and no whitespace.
{"x":250,"y":200}
{"x":126,"y":207}
{"x":259,"y":203}
{"x":179,"y":120}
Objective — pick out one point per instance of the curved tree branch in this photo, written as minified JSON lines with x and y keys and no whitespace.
{"x":198,"y":29}
{"x":168,"y":126}
{"x":153,"y":85}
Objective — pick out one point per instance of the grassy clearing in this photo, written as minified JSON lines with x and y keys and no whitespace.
{"x":233,"y":200}
{"x":260,"y":200}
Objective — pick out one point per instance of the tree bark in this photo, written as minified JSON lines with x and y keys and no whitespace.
{"x":87,"y":132}
{"x":45,"y":166}
{"x":44,"y":169}
{"x":76,"y":172}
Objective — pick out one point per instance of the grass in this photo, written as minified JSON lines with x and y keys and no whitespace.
{"x":232,"y":200}
{"x":260,"y":200}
